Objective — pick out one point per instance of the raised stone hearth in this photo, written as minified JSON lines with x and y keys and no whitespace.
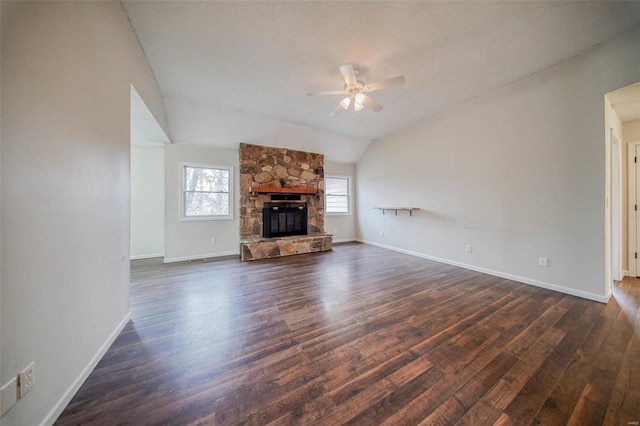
{"x":265,"y":171}
{"x":285,"y":246}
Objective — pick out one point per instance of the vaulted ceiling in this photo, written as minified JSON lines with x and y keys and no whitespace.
{"x":229,"y":68}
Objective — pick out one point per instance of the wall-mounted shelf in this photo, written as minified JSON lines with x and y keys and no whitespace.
{"x":395,"y":209}
{"x":278,"y":190}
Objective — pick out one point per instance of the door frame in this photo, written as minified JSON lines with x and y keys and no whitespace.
{"x":633,"y":200}
{"x":616,"y":206}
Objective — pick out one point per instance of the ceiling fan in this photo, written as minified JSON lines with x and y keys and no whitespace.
{"x":355,"y":90}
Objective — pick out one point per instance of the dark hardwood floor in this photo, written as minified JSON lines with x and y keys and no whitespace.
{"x":362,"y":335}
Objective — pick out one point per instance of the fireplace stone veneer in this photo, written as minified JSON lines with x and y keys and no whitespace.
{"x":265,"y":248}
{"x":265,"y":171}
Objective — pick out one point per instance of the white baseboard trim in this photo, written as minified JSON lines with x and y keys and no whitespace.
{"x":524,"y":280}
{"x":625,"y":273}
{"x":146,"y":256}
{"x":201,"y":256}
{"x":59,"y":407}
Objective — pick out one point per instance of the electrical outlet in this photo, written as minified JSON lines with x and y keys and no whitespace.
{"x":542,"y":261}
{"x":382,"y":233}
{"x":26,"y":380}
{"x":213,"y":240}
{"x":469,"y":248}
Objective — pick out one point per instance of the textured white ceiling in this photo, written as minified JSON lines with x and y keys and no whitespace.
{"x":261,"y":58}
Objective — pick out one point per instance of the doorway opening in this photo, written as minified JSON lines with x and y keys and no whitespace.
{"x":147,"y":182}
{"x":622,"y":184}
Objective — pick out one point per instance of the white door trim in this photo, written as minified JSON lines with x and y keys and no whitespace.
{"x":616,"y":207}
{"x":633,"y":200}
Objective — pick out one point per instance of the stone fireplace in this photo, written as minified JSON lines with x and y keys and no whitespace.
{"x":290,"y":185}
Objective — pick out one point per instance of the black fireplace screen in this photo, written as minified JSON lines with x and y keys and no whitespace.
{"x":282,"y":219}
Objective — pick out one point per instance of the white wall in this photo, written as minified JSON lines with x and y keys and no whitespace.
{"x":229,"y":127}
{"x":67,"y":68}
{"x":1,"y":380}
{"x":147,"y":201}
{"x":518,"y":173}
{"x":343,"y":227}
{"x":631,"y":131}
{"x":186,"y":240}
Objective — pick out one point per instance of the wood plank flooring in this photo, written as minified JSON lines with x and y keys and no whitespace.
{"x":362,"y":335}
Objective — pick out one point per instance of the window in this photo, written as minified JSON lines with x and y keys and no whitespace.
{"x":206,"y":192}
{"x":337,"y":195}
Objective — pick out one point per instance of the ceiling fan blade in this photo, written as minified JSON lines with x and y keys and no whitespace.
{"x":328,"y":92}
{"x":371,"y":104}
{"x":336,"y":110}
{"x":348,"y":74}
{"x":383,"y":84}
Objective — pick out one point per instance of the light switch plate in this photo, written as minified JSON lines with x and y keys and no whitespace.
{"x":27,"y":379}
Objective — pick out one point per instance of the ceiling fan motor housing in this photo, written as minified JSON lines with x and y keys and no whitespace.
{"x":354,"y":89}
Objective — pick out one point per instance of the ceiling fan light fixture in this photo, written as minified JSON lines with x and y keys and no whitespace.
{"x":355,"y":90}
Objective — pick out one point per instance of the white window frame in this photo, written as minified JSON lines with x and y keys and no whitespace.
{"x":349,"y":196}
{"x":183,"y":216}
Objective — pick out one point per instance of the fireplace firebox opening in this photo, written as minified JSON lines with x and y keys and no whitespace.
{"x":284,"y":219}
